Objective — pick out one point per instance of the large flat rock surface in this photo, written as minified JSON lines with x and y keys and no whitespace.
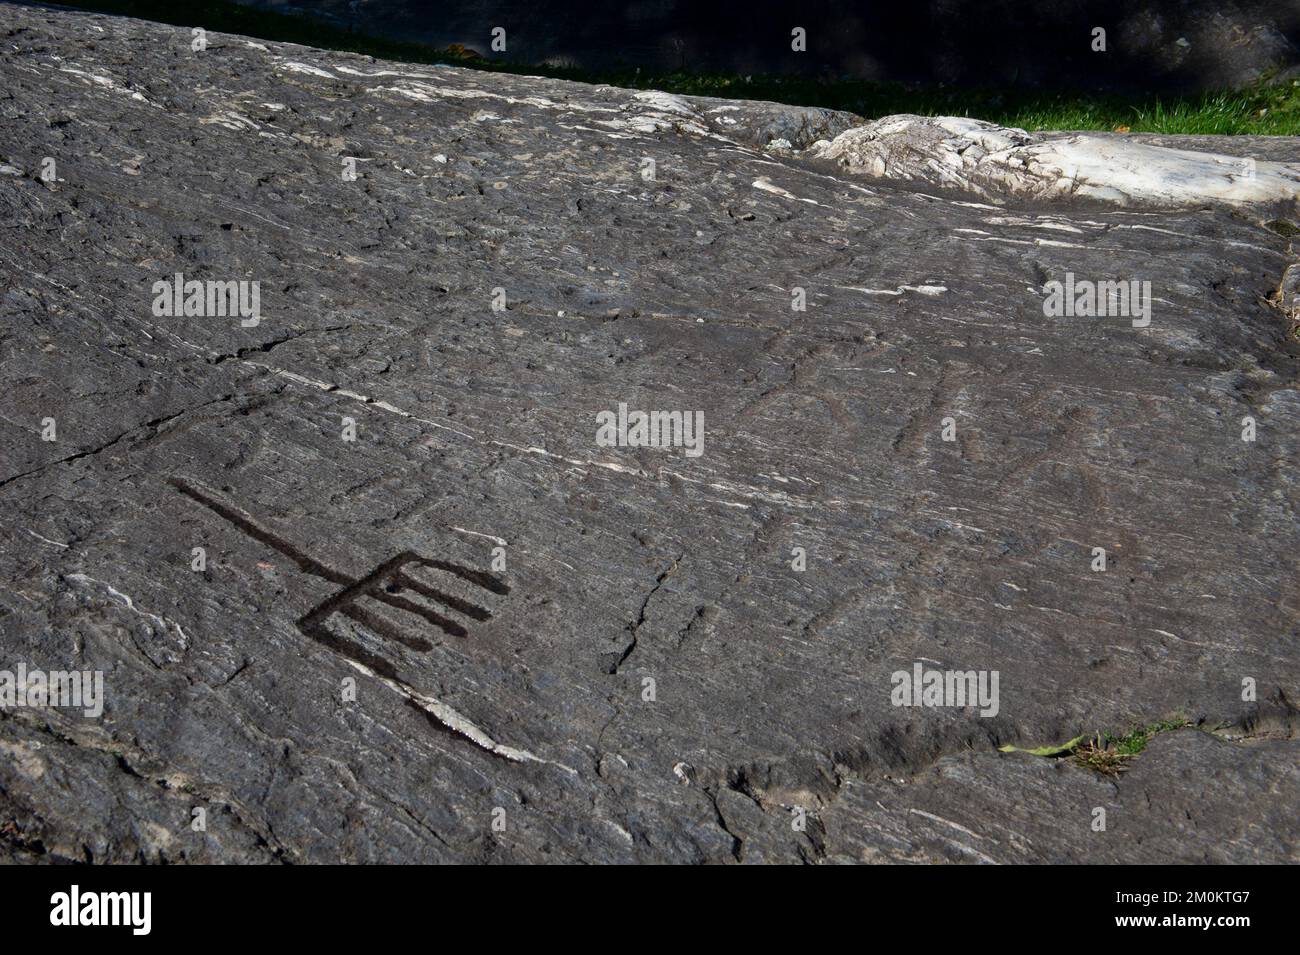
{"x":648,"y":677}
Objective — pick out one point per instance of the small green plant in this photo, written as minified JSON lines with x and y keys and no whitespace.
{"x":1105,"y":753}
{"x":1109,"y":754}
{"x":1136,"y":739}
{"x":1099,"y":756}
{"x":1062,"y":749}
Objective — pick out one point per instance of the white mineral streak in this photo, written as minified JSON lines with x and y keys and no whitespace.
{"x":308,"y":69}
{"x":996,"y":163}
{"x":105,"y":82}
{"x":126,"y":599}
{"x":456,"y":721}
{"x":766,"y":184}
{"x":659,"y":111}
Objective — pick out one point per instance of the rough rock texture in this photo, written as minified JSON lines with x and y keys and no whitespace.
{"x":518,"y":695}
{"x":996,"y":162}
{"x":759,"y":123}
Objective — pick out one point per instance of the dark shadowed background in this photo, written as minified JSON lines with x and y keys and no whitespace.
{"x":1171,"y":45}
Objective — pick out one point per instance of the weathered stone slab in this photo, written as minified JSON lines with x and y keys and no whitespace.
{"x":664,"y":286}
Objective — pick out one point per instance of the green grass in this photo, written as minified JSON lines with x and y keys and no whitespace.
{"x":1136,"y":739}
{"x":1266,"y":109}
{"x":1109,"y":754}
{"x":1106,"y":753}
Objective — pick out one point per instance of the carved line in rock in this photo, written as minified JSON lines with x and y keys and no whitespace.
{"x":383,"y":584}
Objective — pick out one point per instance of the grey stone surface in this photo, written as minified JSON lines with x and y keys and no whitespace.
{"x":474,"y":427}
